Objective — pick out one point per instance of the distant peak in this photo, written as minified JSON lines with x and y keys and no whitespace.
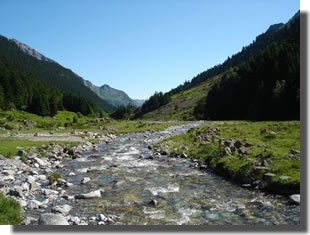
{"x":105,"y":86}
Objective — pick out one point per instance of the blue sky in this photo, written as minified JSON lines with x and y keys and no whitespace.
{"x":140,"y":46}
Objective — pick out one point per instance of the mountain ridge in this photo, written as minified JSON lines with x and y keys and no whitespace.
{"x":188,"y":101}
{"x":33,"y":67}
{"x":113,"y":96}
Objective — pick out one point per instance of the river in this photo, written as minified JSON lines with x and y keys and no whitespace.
{"x":166,"y":191}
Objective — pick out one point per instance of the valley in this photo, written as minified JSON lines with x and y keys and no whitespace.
{"x":223,"y":148}
{"x":128,"y":179}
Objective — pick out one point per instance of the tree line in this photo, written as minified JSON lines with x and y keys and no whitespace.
{"x":42,"y":87}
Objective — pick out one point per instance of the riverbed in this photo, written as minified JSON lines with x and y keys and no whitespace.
{"x":139,"y":187}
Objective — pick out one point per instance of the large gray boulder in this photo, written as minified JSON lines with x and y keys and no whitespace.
{"x":62,"y":209}
{"x":52,"y":219}
{"x":90,"y":195}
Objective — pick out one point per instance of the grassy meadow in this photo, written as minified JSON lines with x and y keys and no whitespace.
{"x":272,"y":158}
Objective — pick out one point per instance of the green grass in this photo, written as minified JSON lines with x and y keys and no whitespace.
{"x":270,"y":145}
{"x":183,"y":103}
{"x":9,"y":146}
{"x":13,"y":122}
{"x":10,"y":211}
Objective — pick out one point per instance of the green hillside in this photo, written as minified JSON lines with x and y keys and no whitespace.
{"x":259,"y":83}
{"x":27,"y":82}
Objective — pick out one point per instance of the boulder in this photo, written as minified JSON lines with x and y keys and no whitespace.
{"x":295,"y":198}
{"x":237,"y":144}
{"x":8,"y":178}
{"x":16,"y":192}
{"x":34,"y":204}
{"x":21,"y":153}
{"x":41,"y":162}
{"x":62,"y":209}
{"x":52,"y":219}
{"x":90,"y":195}
{"x":85,"y":180}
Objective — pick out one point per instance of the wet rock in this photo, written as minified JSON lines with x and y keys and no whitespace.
{"x":34,"y":204}
{"x":34,"y":186}
{"x":41,"y":177}
{"x":8,"y":172}
{"x":33,"y":172}
{"x":71,"y":174}
{"x":295,"y":151}
{"x":8,"y":178}
{"x":28,"y":220}
{"x":22,"y":153}
{"x":85,"y":180}
{"x":183,"y":155}
{"x":153,"y":202}
{"x":42,"y":163}
{"x":49,"y":192}
{"x":165,"y":153}
{"x":31,"y":179}
{"x":150,"y":157}
{"x":237,"y":144}
{"x":68,"y":197}
{"x":22,"y":203}
{"x":16,"y":192}
{"x":69,"y":151}
{"x":52,"y":219}
{"x":243,"y":150}
{"x":25,"y":186}
{"x":102,"y":217}
{"x":75,"y":220}
{"x":226,"y":151}
{"x":62,"y":209}
{"x":90,"y":195}
{"x":295,"y":198}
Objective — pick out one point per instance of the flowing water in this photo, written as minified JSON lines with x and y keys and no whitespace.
{"x":166,"y":191}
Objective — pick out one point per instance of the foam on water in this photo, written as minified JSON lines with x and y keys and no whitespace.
{"x":168,"y":189}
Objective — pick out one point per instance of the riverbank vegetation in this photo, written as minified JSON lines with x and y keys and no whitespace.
{"x":20,"y":130}
{"x":264,"y":155}
{"x":10,"y":212}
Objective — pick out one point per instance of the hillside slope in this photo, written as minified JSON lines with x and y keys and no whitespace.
{"x":19,"y":58}
{"x":270,"y":64}
{"x":111,"y":95}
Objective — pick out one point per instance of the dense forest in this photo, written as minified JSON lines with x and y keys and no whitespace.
{"x":261,"y":82}
{"x":266,"y":86}
{"x":154,"y":102}
{"x":42,"y":87}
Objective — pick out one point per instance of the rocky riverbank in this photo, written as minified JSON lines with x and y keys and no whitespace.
{"x":26,"y":178}
{"x":259,"y":162}
{"x":124,"y":180}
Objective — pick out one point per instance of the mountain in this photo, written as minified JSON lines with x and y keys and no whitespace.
{"x":37,"y":84}
{"x":139,"y":102}
{"x":30,"y":51}
{"x":113,"y":96}
{"x":261,"y":82}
